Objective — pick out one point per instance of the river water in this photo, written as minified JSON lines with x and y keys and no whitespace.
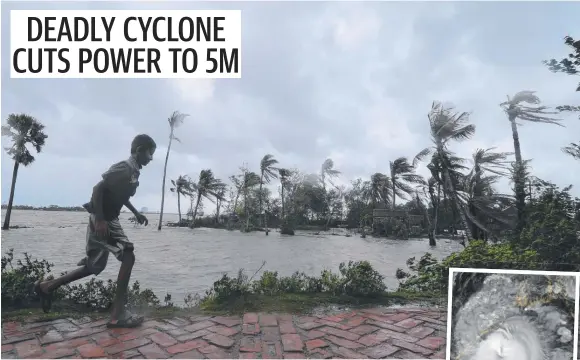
{"x":182,"y":260}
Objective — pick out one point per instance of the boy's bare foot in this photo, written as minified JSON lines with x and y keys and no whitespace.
{"x":128,"y":320}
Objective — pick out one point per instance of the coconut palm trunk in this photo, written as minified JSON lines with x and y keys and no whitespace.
{"x":179,"y":207}
{"x":194,"y":215}
{"x":164,"y":177}
{"x":519,"y":180}
{"x":453,"y":195}
{"x":6,"y":225}
{"x":262,"y":216}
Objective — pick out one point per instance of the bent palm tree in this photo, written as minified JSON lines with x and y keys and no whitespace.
{"x":267,"y":173}
{"x":181,"y":186}
{"x":327,"y":173}
{"x":403,"y":175}
{"x":174,"y":121}
{"x":250,"y":180}
{"x":515,"y":109}
{"x":207,"y":187}
{"x":446,"y":125}
{"x":23,"y":130}
{"x":283,"y":175}
{"x":573,"y":150}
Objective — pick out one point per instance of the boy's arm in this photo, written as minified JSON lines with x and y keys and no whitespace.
{"x":98,"y":200}
{"x":132,"y":208}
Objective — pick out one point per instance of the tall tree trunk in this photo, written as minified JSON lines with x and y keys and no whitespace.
{"x":178,"y":206}
{"x":453,"y":196}
{"x":260,"y":207}
{"x":246,"y":213}
{"x":217,"y":210}
{"x":6,"y":225}
{"x":438,"y":205}
{"x":195,"y":210}
{"x":394,"y":192}
{"x":282,"y":198}
{"x":164,"y":176}
{"x":519,"y":180}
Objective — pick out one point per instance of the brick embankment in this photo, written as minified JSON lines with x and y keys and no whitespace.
{"x":369,"y":333}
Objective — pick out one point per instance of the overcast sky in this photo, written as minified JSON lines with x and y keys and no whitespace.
{"x":349,"y":81}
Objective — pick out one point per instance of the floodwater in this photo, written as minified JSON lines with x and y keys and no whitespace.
{"x":181,"y":260}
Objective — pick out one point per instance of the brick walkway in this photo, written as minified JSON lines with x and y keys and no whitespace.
{"x":369,"y":333}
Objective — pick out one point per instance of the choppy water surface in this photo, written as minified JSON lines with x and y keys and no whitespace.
{"x":509,"y":319}
{"x":181,"y":260}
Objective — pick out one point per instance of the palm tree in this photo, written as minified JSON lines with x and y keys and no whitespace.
{"x":446,"y":125}
{"x":327,"y":173}
{"x":174,"y":121}
{"x":573,"y":150}
{"x":403,"y":175}
{"x":207,"y":187}
{"x":283,"y":175}
{"x":249,"y":180}
{"x":515,"y":109}
{"x":219,"y":199}
{"x":23,"y":130}
{"x":181,"y":186}
{"x":267,"y":173}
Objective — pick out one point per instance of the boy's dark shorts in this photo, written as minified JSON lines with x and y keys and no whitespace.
{"x":98,"y":247}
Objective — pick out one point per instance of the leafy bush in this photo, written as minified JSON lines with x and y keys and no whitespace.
{"x":354,"y":279}
{"x":428,"y":274}
{"x":18,"y":291}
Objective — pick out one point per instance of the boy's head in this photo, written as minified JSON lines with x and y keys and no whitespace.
{"x":142,"y":148}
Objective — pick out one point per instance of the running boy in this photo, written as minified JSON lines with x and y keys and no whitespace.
{"x":104,"y":233}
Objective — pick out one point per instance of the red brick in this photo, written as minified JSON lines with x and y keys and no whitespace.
{"x":406,"y":354}
{"x":27,"y":349}
{"x":334,"y":324}
{"x":270,"y":334}
{"x":309,"y":325}
{"x":398,"y":335}
{"x":223,"y":330}
{"x":411,"y":347}
{"x":355,"y":321}
{"x":51,"y":337}
{"x":6,"y":348}
{"x":316,"y":343}
{"x":364,"y":329}
{"x":373,"y":339}
{"x":219,"y":340}
{"x":91,"y":351}
{"x":105,"y":339}
{"x":409,"y":323}
{"x":379,"y":318}
{"x":380,"y":351}
{"x":131,"y":344}
{"x":248,"y":355}
{"x":122,"y":331}
{"x":81,"y":321}
{"x":195,"y":335}
{"x":271,"y":350}
{"x":128,"y":336}
{"x":153,"y":351}
{"x":18,"y":339}
{"x":268,"y":320}
{"x":250,"y":344}
{"x":227,"y":321}
{"x":375,"y":311}
{"x":199,"y":326}
{"x":58,"y":353}
{"x":251,"y":329}
{"x":65,"y":327}
{"x":315,"y":334}
{"x":348,"y":354}
{"x":192,"y":354}
{"x":292,"y":342}
{"x":320,"y":354}
{"x":177,"y":321}
{"x":305,"y":319}
{"x":177,"y":332}
{"x":429,"y":320}
{"x":163,"y":339}
{"x":398,"y":317}
{"x":333,"y":318}
{"x":420,"y":332}
{"x":343,"y":342}
{"x":439,"y":355}
{"x":433,"y":343}
{"x":69,"y":344}
{"x":250,"y":318}
{"x":340,"y":333}
{"x":96,"y":323}
{"x":285,"y":318}
{"x":287,"y":327}
{"x":12,"y":325}
{"x":85,"y":332}
{"x":183,"y":347}
{"x":214,"y":352}
{"x":294,"y":355}
{"x":129,"y":354}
